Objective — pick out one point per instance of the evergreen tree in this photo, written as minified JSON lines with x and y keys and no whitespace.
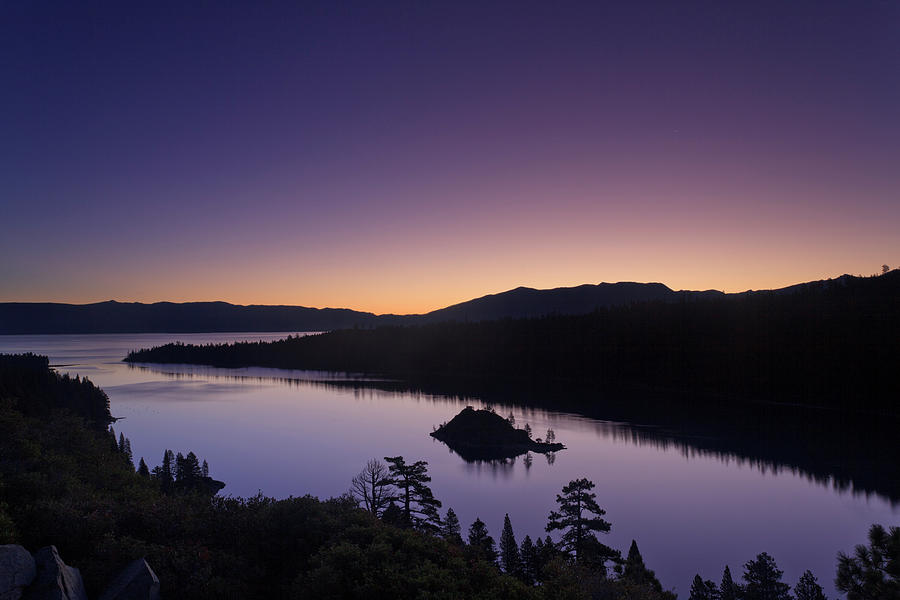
{"x":419,"y":504}
{"x":180,"y":472}
{"x":511,"y":419}
{"x":637,"y":573}
{"x":450,"y":530}
{"x":808,"y":588}
{"x":128,"y":453}
{"x":204,"y":470}
{"x":728,"y":589}
{"x":703,"y":590}
{"x":142,"y":468}
{"x":530,"y":560}
{"x":873,"y":571}
{"x":193,"y":471}
{"x":578,"y":518}
{"x":528,"y":430}
{"x":167,"y":471}
{"x":481,"y":544}
{"x":763,"y":579}
{"x":122,"y":443}
{"x":551,"y":436}
{"x":509,"y":549}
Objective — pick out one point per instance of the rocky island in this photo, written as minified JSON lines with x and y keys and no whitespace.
{"x":485,"y":435}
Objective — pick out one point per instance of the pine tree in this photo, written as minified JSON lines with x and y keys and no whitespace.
{"x":637,"y":573}
{"x":122,"y":443}
{"x":166,"y":472}
{"x":728,"y":589}
{"x":509,"y":549}
{"x":808,"y":588}
{"x":128,"y":453}
{"x":204,"y":470}
{"x":450,"y":530}
{"x":874,"y":570}
{"x":703,"y":590}
{"x":529,"y":557}
{"x":578,"y":518}
{"x":419,"y":504}
{"x":763,"y":579}
{"x":551,"y":436}
{"x":481,"y":544}
{"x":528,"y":430}
{"x":180,"y":472}
{"x":142,"y":468}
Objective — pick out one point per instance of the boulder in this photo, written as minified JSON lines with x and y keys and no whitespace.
{"x":17,"y":570}
{"x":55,"y":580}
{"x":137,"y":581}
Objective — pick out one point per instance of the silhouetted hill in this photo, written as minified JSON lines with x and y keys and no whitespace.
{"x":168,"y":317}
{"x":524,"y":302}
{"x":203,"y":317}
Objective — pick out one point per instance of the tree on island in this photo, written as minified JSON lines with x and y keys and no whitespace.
{"x":578,"y":518}
{"x":510,"y":559}
{"x":419,"y":504}
{"x":873,"y":571}
{"x":763,"y":579}
{"x":371,"y":487}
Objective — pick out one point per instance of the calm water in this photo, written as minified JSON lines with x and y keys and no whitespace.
{"x":292,"y":433}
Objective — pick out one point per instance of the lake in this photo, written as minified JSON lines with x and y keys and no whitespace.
{"x":288,"y":432}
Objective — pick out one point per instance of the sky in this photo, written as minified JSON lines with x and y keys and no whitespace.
{"x":404,"y":156}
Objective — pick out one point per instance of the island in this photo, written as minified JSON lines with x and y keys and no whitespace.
{"x":485,"y":435}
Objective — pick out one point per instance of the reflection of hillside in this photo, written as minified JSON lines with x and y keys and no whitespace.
{"x":848,"y":452}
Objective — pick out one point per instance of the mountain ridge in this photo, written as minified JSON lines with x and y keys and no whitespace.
{"x":113,"y":316}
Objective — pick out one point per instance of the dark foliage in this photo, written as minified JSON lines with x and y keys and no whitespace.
{"x":872,"y":571}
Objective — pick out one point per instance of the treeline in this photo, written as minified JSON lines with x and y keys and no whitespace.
{"x":28,"y":384}
{"x":832,"y":344}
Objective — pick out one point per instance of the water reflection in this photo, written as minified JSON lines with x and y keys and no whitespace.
{"x":757,"y":438}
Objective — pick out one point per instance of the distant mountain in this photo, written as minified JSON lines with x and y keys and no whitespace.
{"x":205,"y":317}
{"x":525,"y":302}
{"x":168,"y":317}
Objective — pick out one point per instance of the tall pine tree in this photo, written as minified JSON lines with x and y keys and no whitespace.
{"x":728,"y":589}
{"x":578,"y":518}
{"x":509,"y":549}
{"x":419,"y":504}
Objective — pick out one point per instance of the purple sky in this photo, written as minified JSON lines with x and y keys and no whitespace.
{"x":401,"y":157}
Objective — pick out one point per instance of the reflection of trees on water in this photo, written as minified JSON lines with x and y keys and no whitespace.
{"x":848,"y":453}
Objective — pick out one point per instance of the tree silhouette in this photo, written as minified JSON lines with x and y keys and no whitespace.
{"x":481,"y":544}
{"x":808,"y":588}
{"x":763,"y":579}
{"x":636,"y":572}
{"x":530,"y":560}
{"x":419,"y":504}
{"x":450,"y":530}
{"x":142,"y":468}
{"x":509,"y":549}
{"x":873,"y":571}
{"x":371,"y":487}
{"x":703,"y":590}
{"x":728,"y":589}
{"x":578,"y":518}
